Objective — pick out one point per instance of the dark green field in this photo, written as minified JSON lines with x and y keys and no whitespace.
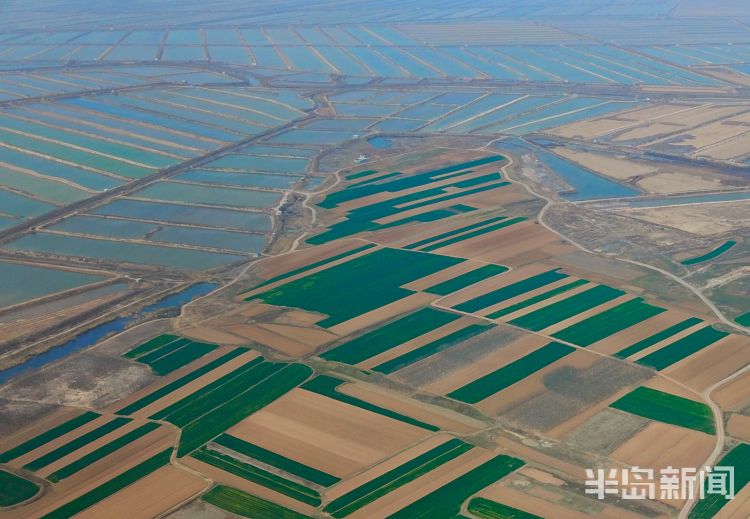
{"x":743,"y":319}
{"x":246,"y":505}
{"x":667,"y":408}
{"x":473,"y":234}
{"x":166,"y":353}
{"x":682,"y":348}
{"x":486,"y":509}
{"x":15,"y":489}
{"x":433,"y":348}
{"x":446,"y":501}
{"x":395,"y":478}
{"x":150,"y":345}
{"x":510,"y":291}
{"x":657,"y":337}
{"x":715,"y":253}
{"x":516,"y":371}
{"x":358,"y":286}
{"x":276,"y":460}
{"x":537,"y":298}
{"x":442,"y":236}
{"x":573,"y":305}
{"x":739,"y":458}
{"x":257,"y":475}
{"x":465,"y":280}
{"x":326,"y":386}
{"x":609,"y":322}
{"x":390,"y":335}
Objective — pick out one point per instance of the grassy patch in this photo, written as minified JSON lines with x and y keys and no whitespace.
{"x":465,"y":280}
{"x":446,"y":501}
{"x":667,"y":408}
{"x":609,"y":322}
{"x":516,"y":371}
{"x":395,"y":478}
{"x":326,"y":386}
{"x":257,"y":475}
{"x":48,"y":436}
{"x":510,"y":291}
{"x":739,"y":458}
{"x":247,"y":505}
{"x":657,"y":338}
{"x":390,"y":335}
{"x":276,"y":460}
{"x":682,"y":348}
{"x":15,"y":489}
{"x":432,"y":348}
{"x":569,"y":307}
{"x":358,"y":286}
{"x":486,"y":509}
{"x":115,"y":484}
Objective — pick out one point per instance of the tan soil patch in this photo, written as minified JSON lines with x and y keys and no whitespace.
{"x":676,"y":182}
{"x":734,"y":395}
{"x":712,"y":364}
{"x":326,"y":434}
{"x":667,"y":386}
{"x":541,"y":476}
{"x":739,"y":427}
{"x":213,"y":335}
{"x":285,"y":345}
{"x":314,"y":337}
{"x":737,"y":508}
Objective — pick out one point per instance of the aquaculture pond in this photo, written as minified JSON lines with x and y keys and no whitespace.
{"x":20,"y":283}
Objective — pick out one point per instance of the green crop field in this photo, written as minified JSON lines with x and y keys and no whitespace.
{"x":516,"y":371}
{"x":487,"y":509}
{"x":176,"y":384}
{"x":465,"y":280}
{"x":537,"y":298}
{"x":276,"y":460}
{"x":739,"y":458}
{"x":667,"y":408}
{"x":682,"y":348}
{"x":449,"y":234}
{"x":326,"y":386}
{"x":395,"y":478}
{"x":358,"y":286}
{"x":390,"y":335}
{"x":115,"y":484}
{"x":569,"y":307}
{"x":432,"y":348}
{"x":103,"y":451}
{"x":180,"y":357}
{"x":76,"y":444}
{"x":718,"y":251}
{"x":657,"y":337}
{"x":510,"y":291}
{"x":447,"y":500}
{"x":473,"y":234}
{"x":14,"y":489}
{"x":246,"y":505}
{"x":743,"y":319}
{"x":146,"y":347}
{"x":238,"y":406}
{"x":47,"y":436}
{"x":257,"y":475}
{"x":609,"y":322}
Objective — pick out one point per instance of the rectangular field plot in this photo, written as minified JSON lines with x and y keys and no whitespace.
{"x":246,"y":505}
{"x":682,"y":348}
{"x":667,"y":408}
{"x":21,"y":283}
{"x":174,"y":353}
{"x":711,"y":504}
{"x":15,"y":489}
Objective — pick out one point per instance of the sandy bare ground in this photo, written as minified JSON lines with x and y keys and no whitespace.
{"x":703,"y":220}
{"x":446,"y":419}
{"x":738,"y":508}
{"x":739,"y":427}
{"x":256,"y":333}
{"x":713,"y":363}
{"x":149,"y":497}
{"x":185,"y":390}
{"x":735,"y":395}
{"x":668,"y":386}
{"x":326,"y":434}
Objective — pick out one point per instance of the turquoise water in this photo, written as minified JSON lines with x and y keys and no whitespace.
{"x":20,"y":283}
{"x":102,"y":331}
{"x":380,"y":142}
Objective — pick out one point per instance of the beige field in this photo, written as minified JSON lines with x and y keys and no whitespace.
{"x":738,"y":508}
{"x":713,"y":363}
{"x":326,"y":434}
{"x":735,"y":394}
{"x":702,"y":220}
{"x":739,"y":427}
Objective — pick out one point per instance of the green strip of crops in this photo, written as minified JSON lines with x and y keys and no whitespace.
{"x":390,"y":335}
{"x":150,"y":345}
{"x":176,"y":384}
{"x":432,"y":348}
{"x":657,"y":337}
{"x":360,"y":174}
{"x":486,"y":509}
{"x":257,"y":475}
{"x":48,"y":436}
{"x":238,"y":407}
{"x":110,"y":487}
{"x":396,"y":478}
{"x":682,"y":348}
{"x":609,"y":322}
{"x":188,"y":353}
{"x":247,"y":505}
{"x":76,"y":444}
{"x":508,"y":375}
{"x":159,"y":352}
{"x":561,"y":310}
{"x":743,"y":320}
{"x":510,"y":291}
{"x":718,"y":251}
{"x":473,"y":234}
{"x":665,"y":407}
{"x":455,"y":231}
{"x":739,"y":458}
{"x":326,"y":386}
{"x":537,"y":299}
{"x":447,"y":500}
{"x":276,"y":460}
{"x":103,"y":451}
{"x":15,"y":489}
{"x":314,"y":265}
{"x":467,"y":279}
